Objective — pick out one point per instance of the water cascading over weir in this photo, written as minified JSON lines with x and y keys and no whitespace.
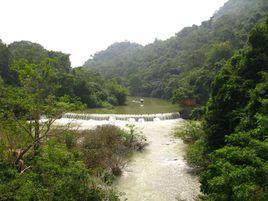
{"x":123,"y":117}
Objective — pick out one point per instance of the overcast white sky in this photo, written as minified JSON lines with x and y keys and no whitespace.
{"x":82,"y":27}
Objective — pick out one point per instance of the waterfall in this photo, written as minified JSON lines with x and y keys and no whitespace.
{"x":123,"y":117}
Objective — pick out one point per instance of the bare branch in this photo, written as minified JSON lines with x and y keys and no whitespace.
{"x":21,"y":172}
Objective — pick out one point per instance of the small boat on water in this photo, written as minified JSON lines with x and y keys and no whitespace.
{"x":141,"y":101}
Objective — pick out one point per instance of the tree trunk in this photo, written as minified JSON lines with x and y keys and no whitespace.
{"x":36,"y":136}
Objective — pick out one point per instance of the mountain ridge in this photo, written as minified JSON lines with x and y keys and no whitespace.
{"x":184,"y":65}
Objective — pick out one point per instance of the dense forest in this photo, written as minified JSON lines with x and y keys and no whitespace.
{"x":230,"y":145}
{"x":235,"y":123}
{"x":183,"y":66}
{"x":221,"y":66}
{"x":78,"y":84}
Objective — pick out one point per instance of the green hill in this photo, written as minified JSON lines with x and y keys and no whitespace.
{"x":182,"y":66}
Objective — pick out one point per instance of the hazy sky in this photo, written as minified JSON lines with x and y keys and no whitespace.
{"x":82,"y":27}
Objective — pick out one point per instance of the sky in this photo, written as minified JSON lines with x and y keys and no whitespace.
{"x":83,"y":27}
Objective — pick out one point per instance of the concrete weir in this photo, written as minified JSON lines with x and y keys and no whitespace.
{"x":123,"y":117}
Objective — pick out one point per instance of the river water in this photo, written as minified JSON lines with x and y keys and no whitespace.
{"x":159,"y":173}
{"x":133,"y":106}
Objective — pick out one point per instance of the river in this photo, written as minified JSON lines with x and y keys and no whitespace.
{"x":159,"y":173}
{"x":133,"y":106}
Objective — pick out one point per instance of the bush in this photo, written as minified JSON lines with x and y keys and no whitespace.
{"x":54,"y":175}
{"x":107,"y":147}
{"x":192,"y":134}
{"x":197,"y":113}
{"x":134,"y":139}
{"x":195,"y":154}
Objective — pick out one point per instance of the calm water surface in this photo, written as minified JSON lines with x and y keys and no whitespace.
{"x":133,"y":106}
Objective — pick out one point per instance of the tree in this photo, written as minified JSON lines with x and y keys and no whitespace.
{"x":231,"y":87}
{"x":4,"y":62}
{"x":55,"y":174}
{"x":32,"y":52}
{"x":236,"y":126}
{"x":23,"y":127}
{"x":119,"y":92}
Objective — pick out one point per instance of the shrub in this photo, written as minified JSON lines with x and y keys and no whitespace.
{"x":106,"y":148}
{"x":134,"y":139}
{"x":54,"y":175}
{"x":192,"y":134}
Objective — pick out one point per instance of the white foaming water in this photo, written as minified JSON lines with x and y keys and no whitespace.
{"x":159,"y":173}
{"x":122,"y":117}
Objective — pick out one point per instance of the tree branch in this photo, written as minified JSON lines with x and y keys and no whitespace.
{"x":25,"y":129}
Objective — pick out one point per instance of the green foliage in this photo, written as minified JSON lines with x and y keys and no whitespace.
{"x":70,"y":104}
{"x":233,"y":146}
{"x":238,"y":171}
{"x":4,"y":61}
{"x":197,"y":113}
{"x":232,"y":86}
{"x":220,"y":51}
{"x":196,"y":154}
{"x":133,"y":138}
{"x":236,"y":126}
{"x":102,"y":144}
{"x":192,"y":133}
{"x":118,"y":91}
{"x":22,"y":129}
{"x":40,"y":163}
{"x":107,"y":148}
{"x":184,"y":65}
{"x":36,"y":161}
{"x":95,"y":91}
{"x":31,"y":52}
{"x":78,"y":84}
{"x":55,"y":174}
{"x":182,"y":94}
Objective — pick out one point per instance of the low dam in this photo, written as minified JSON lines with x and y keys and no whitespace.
{"x":123,"y":117}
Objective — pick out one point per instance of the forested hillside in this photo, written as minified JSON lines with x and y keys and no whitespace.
{"x":235,"y":124}
{"x":183,"y":66}
{"x":75,"y":85}
{"x":230,"y":145}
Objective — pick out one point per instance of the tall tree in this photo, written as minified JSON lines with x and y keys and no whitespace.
{"x":236,"y":126}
